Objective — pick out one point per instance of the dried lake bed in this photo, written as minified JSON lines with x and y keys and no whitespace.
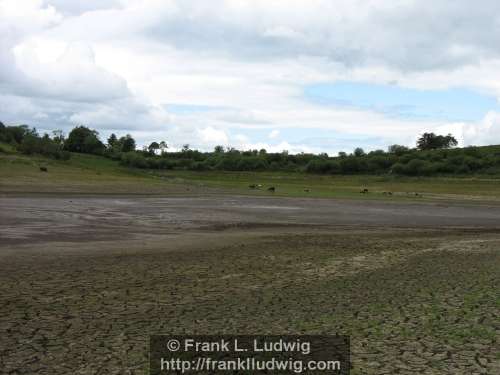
{"x":86,"y":279}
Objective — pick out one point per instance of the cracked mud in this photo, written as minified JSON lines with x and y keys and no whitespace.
{"x":84,"y":281}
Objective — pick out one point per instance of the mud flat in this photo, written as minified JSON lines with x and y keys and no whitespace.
{"x":85,"y":279}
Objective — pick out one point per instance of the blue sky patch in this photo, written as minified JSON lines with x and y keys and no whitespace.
{"x":185,"y":109}
{"x":455,"y":104}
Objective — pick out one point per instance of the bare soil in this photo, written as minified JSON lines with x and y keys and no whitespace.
{"x":85,"y":279}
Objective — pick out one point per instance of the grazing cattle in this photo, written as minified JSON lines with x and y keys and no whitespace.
{"x":252,"y":186}
{"x":307,"y":190}
{"x":364,"y":191}
{"x":387,"y":193}
{"x":271,"y":189}
{"x":43,"y":169}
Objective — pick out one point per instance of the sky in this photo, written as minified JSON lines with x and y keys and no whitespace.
{"x":296,"y":75}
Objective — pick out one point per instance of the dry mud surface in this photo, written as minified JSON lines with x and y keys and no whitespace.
{"x":85,"y":280}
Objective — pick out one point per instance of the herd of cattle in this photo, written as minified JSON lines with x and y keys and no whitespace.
{"x":272,"y":189}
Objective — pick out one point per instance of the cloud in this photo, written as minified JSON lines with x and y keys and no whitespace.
{"x":120,"y":65}
{"x":126,"y":114}
{"x":354,"y":33}
{"x":484,"y":132}
{"x":274,"y":134}
{"x":18,"y":20}
{"x":74,"y":8}
{"x":74,"y":76}
{"x":213,"y":137}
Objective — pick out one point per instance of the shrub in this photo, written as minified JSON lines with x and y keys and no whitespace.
{"x":398,"y":150}
{"x":349,"y":165}
{"x":134,"y":159}
{"x":414,"y":167}
{"x":398,"y":168}
{"x":33,"y":144}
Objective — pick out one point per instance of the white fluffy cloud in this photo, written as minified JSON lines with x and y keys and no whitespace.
{"x":274,"y":133}
{"x":74,"y":76}
{"x":483,"y":132}
{"x":126,"y":65}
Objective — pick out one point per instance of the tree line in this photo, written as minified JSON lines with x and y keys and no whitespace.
{"x":432,"y":155}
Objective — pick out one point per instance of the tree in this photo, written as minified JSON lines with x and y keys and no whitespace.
{"x":127,"y":143}
{"x":112,"y":140}
{"x":397,"y":149}
{"x":219,"y":149}
{"x":153,"y":147}
{"x":58,"y":137}
{"x":15,"y":134}
{"x":358,"y":151}
{"x":185,"y":148}
{"x":32,"y":143}
{"x":84,"y":140}
{"x":163,"y":146}
{"x":430,"y":141}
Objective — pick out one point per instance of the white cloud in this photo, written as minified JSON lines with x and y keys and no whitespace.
{"x":275,"y":133}
{"x":213,"y":137}
{"x":74,"y":76}
{"x":484,"y":132}
{"x":117,"y":65}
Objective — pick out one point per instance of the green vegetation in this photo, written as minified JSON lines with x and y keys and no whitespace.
{"x":433,"y":156}
{"x":399,"y":173}
{"x":80,"y":174}
{"x":84,"y":173}
{"x":27,"y":141}
{"x":84,"y":140}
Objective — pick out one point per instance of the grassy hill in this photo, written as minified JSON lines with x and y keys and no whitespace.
{"x":80,"y":174}
{"x":90,"y":174}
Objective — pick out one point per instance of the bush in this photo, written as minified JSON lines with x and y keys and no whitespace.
{"x":33,"y":144}
{"x":463,"y":169}
{"x":380,"y":163}
{"x":323,"y":166}
{"x":200,"y":166}
{"x":350,"y":165}
{"x":317,"y":166}
{"x":15,"y":134}
{"x":164,"y":163}
{"x":251,"y":163}
{"x":134,"y":159}
{"x":229,"y":163}
{"x":416,"y":167}
{"x":398,"y":150}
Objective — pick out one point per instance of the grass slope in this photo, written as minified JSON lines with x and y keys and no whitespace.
{"x":80,"y":174}
{"x":97,"y":175}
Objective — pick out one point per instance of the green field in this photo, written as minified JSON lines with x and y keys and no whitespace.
{"x":93,"y":174}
